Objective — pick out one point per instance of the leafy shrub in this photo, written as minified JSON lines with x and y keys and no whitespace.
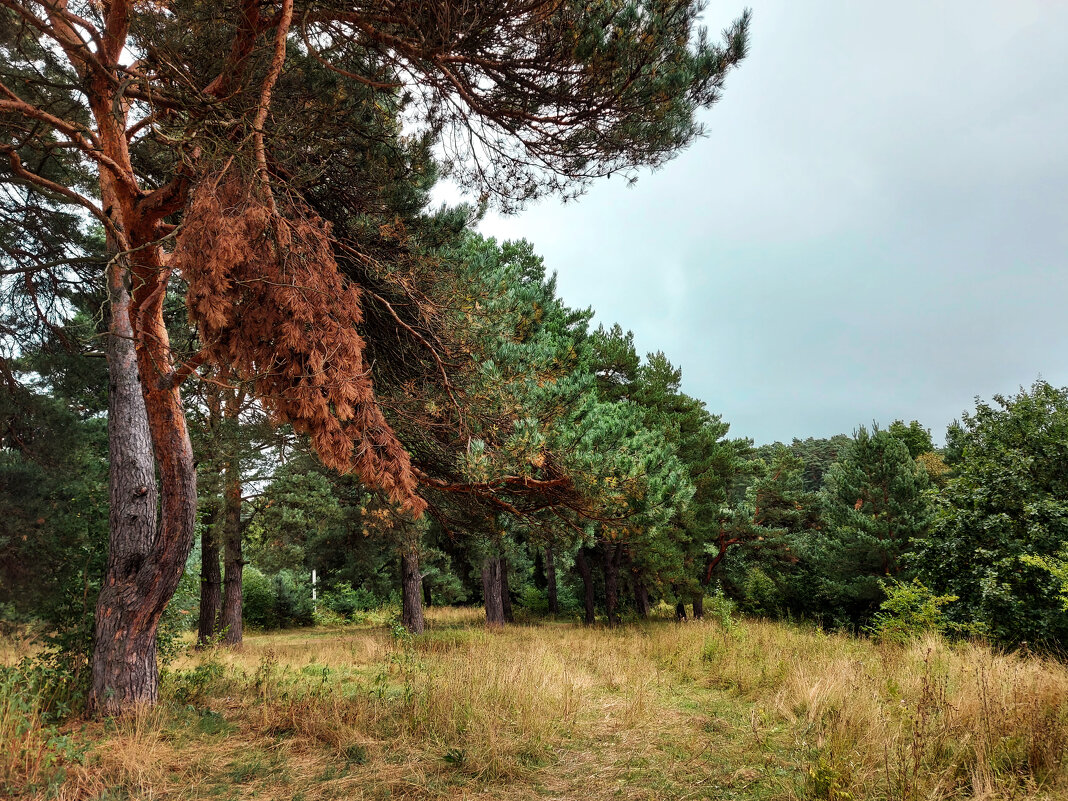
{"x":760,"y":593}
{"x":258,"y":606}
{"x":722,"y":609}
{"x":278,"y":601}
{"x":534,"y":599}
{"x":292,"y":601}
{"x":346,"y":601}
{"x":193,"y":686}
{"x":909,"y":611}
{"x":181,"y":613}
{"x":34,"y":754}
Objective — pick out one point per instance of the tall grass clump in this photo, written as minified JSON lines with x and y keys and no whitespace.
{"x":927,"y":719}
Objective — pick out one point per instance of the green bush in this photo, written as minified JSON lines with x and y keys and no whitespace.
{"x":722,"y":609}
{"x":258,"y":606}
{"x":760,"y":593}
{"x":909,"y":611}
{"x":292,"y":601}
{"x":346,"y":601}
{"x":533,"y":599}
{"x":274,"y":602}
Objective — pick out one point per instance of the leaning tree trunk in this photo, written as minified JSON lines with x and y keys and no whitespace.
{"x":230,"y":620}
{"x":491,"y":590}
{"x":550,"y":582}
{"x":584,"y":569}
{"x":125,"y":673}
{"x":411,"y":590}
{"x":506,"y":599}
{"x":611,"y":554}
{"x":210,"y":578}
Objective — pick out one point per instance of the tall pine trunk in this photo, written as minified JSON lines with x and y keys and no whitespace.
{"x":411,"y":590}
{"x":230,"y":621}
{"x":584,"y":569}
{"x":550,"y":582}
{"x":210,"y":578}
{"x":145,"y":561}
{"x":124,"y":670}
{"x":491,"y":590}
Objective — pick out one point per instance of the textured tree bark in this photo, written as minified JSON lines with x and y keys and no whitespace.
{"x":641,"y":597}
{"x":698,"y":606}
{"x":411,"y":590}
{"x":491,"y":590}
{"x":506,"y":599}
{"x":230,"y":621}
{"x":550,"y":582}
{"x":139,"y":580}
{"x":210,"y":578}
{"x":584,"y":569}
{"x":611,"y":555}
{"x":124,"y":670}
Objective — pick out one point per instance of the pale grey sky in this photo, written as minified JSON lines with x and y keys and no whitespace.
{"x":875,"y":227}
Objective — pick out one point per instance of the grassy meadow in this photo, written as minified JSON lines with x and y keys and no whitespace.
{"x":715,"y":709}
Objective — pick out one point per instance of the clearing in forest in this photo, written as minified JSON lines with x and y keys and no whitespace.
{"x":715,"y":709}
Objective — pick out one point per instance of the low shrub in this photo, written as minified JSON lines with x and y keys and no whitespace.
{"x":345,"y":600}
{"x":910,"y":610}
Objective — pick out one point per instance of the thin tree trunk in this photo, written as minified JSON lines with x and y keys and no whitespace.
{"x":210,"y":578}
{"x":428,"y":599}
{"x":491,"y":590}
{"x":584,"y":569}
{"x":641,"y":597}
{"x":125,"y":673}
{"x":610,"y":562}
{"x":506,"y":599}
{"x":230,"y":620}
{"x":550,"y":582}
{"x":699,"y":606}
{"x":411,"y":590}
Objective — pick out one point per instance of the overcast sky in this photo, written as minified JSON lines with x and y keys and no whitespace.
{"x":876,"y":226}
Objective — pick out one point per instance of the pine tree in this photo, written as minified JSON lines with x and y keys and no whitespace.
{"x":876,"y":505}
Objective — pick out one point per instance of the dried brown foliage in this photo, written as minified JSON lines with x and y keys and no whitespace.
{"x":270,"y":305}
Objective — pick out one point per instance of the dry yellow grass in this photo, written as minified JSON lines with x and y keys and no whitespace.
{"x":756,"y":710}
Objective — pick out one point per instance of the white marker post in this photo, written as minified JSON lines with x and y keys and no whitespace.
{"x":314,"y":596}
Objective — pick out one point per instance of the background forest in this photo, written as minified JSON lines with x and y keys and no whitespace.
{"x":864,"y":531}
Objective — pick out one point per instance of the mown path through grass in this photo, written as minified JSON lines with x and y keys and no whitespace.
{"x":754,"y":710}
